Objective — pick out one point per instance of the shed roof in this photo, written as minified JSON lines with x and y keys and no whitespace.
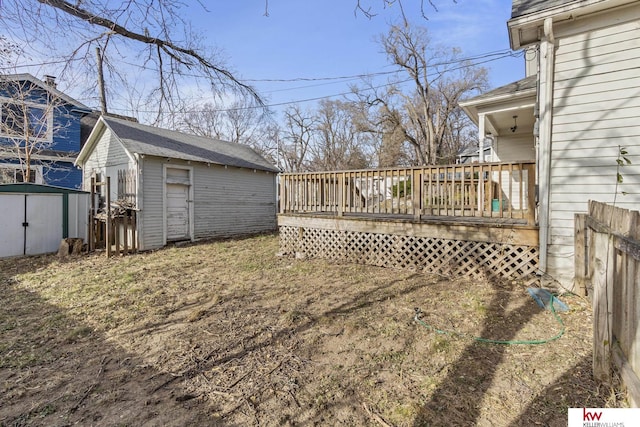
{"x":29,"y":187}
{"x":154,"y":141}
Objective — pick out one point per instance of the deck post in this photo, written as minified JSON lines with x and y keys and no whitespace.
{"x":341,"y":192}
{"x":531,"y":194}
{"x":416,"y":188}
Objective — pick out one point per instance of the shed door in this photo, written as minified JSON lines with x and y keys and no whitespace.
{"x":177,"y":207}
{"x":44,"y":215}
{"x":11,"y":230}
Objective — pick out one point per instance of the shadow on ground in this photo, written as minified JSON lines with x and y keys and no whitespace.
{"x":56,"y":371}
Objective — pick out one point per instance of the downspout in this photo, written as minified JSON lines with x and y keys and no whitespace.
{"x":547,"y":66}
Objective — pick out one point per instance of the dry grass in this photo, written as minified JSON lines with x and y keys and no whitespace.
{"x":226,"y":333}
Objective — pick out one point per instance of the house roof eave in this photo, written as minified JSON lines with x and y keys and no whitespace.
{"x":504,"y":94}
{"x":79,"y":107}
{"x":524,"y":30}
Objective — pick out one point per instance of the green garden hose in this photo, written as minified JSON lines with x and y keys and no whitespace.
{"x":492,"y":341}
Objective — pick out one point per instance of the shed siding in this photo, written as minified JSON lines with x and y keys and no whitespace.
{"x":226,"y":201}
{"x":107,"y":158}
{"x":233,"y":201}
{"x":151,"y":231}
{"x":596,"y":110}
{"x":100,"y":157}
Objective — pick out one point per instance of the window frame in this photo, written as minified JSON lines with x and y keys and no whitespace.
{"x":47,"y":110}
{"x":16,"y":169}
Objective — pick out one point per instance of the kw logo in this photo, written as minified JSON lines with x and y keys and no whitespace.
{"x":590,"y":416}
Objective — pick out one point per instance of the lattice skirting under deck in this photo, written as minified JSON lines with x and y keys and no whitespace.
{"x":435,"y":255}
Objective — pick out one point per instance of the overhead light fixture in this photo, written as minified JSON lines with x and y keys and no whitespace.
{"x":515,"y":124}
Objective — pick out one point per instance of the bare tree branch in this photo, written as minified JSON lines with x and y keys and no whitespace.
{"x":187,"y":57}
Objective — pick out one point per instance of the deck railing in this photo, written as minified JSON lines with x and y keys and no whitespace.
{"x":503,"y":190}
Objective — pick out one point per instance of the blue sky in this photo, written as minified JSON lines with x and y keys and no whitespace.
{"x":317,"y":40}
{"x":320,"y":39}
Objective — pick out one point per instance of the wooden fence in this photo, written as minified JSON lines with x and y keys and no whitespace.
{"x":127,"y":186}
{"x":504,"y":190}
{"x":111,"y":228}
{"x":607,"y":264}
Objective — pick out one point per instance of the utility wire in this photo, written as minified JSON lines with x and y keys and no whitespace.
{"x":299,"y":101}
{"x":485,"y":57}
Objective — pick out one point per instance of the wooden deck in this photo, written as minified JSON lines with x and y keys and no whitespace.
{"x":491,"y":190}
{"x":474,"y":220}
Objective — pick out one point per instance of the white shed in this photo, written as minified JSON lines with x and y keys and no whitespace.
{"x":184,"y":187}
{"x":35,"y":218}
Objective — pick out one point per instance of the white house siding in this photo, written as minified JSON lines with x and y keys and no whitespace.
{"x":513,"y":148}
{"x":596,"y":110}
{"x":233,"y":201}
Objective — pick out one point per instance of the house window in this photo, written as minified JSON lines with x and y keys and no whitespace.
{"x":10,"y":174}
{"x":25,"y":119}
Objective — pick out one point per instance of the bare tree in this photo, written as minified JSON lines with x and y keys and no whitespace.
{"x":241,"y":121}
{"x":163,"y":41}
{"x":364,"y":7}
{"x":27,"y":127}
{"x":8,"y":50}
{"x":203,"y":120}
{"x":438,"y":80}
{"x":338,"y":144}
{"x":297,"y":136}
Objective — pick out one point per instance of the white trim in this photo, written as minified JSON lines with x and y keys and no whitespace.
{"x":525,"y":30}
{"x":16,"y":167}
{"x":191,"y":203}
{"x":46,"y":108}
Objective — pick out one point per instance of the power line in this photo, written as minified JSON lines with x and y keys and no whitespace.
{"x":506,"y":54}
{"x":485,"y":57}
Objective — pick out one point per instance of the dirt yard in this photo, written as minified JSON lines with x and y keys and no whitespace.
{"x":227,"y":333}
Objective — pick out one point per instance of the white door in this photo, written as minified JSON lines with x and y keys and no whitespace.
{"x":11,"y":229}
{"x":44,"y":216}
{"x":177,"y":206}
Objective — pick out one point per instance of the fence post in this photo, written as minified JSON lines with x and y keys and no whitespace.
{"x":108,"y":225}
{"x":602,"y":280}
{"x":92,"y":209}
{"x":580,"y":257}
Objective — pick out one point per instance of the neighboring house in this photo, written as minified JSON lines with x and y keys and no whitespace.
{"x":472,"y":154}
{"x":39,"y":132}
{"x":184,"y":187}
{"x":579,"y":103}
